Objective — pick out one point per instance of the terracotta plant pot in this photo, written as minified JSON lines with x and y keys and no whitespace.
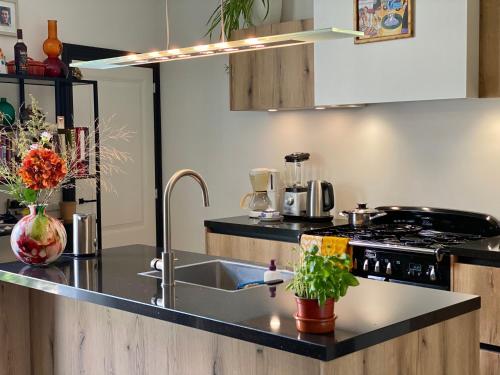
{"x":313,"y":318}
{"x":310,"y":308}
{"x":317,"y":326}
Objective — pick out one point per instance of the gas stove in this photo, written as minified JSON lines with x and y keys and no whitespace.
{"x":410,"y":238}
{"x":409,"y":244}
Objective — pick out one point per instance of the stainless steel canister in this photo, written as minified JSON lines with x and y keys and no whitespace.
{"x":84,"y":235}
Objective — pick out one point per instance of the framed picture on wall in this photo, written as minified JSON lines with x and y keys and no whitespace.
{"x":383,"y":19}
{"x":9,"y":17}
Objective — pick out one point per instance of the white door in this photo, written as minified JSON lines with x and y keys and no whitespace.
{"x":125,"y":99}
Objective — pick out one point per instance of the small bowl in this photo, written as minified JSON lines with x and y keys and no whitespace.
{"x":36,"y":68}
{"x":315,"y":326}
{"x":11,"y":67}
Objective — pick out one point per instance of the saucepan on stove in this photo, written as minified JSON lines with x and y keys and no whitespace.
{"x":362,"y":216}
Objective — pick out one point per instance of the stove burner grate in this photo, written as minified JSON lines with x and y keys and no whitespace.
{"x":400,"y":235}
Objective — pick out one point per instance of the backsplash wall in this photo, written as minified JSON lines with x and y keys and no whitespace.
{"x":440,"y":154}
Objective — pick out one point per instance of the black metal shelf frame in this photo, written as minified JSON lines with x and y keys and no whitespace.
{"x":74,"y":52}
{"x":63,"y":89}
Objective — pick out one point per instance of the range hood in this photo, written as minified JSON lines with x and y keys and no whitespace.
{"x":222,"y":48}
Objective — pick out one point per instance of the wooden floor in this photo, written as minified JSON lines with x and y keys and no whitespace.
{"x":42,"y":334}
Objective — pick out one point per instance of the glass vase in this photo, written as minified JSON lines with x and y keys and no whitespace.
{"x":38,"y":239}
{"x":52,"y":46}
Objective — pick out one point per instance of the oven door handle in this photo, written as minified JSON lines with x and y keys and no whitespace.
{"x":382,"y":246}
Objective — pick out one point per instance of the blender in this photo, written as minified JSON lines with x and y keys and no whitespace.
{"x":295,"y":198}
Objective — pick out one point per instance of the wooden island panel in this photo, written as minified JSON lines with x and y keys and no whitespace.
{"x":15,"y":352}
{"x":70,"y":337}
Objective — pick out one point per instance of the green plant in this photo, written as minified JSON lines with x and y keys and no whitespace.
{"x":233,"y":11}
{"x":322,"y":277}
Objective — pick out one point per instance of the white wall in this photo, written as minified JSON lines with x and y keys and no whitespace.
{"x":442,"y":153}
{"x":117,"y":24}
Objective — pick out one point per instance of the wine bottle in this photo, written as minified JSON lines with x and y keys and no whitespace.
{"x":21,"y":54}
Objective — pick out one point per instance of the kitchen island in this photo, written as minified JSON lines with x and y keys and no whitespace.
{"x":99,"y":316}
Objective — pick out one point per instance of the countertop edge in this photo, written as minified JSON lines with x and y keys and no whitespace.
{"x":248,"y":334}
{"x":263,"y":233}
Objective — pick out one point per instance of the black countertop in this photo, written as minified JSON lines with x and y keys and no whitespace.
{"x":286,"y":231}
{"x":370,"y":313}
{"x":486,"y":250}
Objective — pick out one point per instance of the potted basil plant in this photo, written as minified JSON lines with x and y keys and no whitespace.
{"x":244,"y":13}
{"x":319,"y":282}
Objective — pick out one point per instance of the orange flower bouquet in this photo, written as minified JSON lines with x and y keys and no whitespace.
{"x":39,"y":166}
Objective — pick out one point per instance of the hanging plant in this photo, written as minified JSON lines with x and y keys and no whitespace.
{"x":234,"y":11}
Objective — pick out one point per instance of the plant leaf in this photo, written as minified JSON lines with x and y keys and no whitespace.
{"x":29,"y":196}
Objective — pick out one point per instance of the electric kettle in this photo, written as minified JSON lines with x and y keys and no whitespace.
{"x":320,"y":200}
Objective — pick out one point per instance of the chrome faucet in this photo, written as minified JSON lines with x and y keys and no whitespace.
{"x":168,"y":254}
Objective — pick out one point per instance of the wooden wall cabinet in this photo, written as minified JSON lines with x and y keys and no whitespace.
{"x":441,"y":61}
{"x":489,"y":55}
{"x":485,"y":282}
{"x":275,"y":78}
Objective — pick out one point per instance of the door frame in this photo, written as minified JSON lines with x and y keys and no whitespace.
{"x":78,"y":52}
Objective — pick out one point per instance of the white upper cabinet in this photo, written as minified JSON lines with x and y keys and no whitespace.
{"x":439,"y":62}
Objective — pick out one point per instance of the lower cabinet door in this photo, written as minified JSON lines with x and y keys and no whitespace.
{"x":251,"y":249}
{"x":489,"y":363}
{"x":485,"y":282}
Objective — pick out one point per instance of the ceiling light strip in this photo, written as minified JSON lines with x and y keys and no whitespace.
{"x":224,"y":48}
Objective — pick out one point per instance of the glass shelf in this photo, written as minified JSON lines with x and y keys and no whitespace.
{"x":41,"y":81}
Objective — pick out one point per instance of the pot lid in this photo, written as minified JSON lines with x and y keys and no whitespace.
{"x":297,"y":157}
{"x":363,"y":209}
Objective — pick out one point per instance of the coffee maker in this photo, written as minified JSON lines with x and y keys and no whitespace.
{"x":295,"y":197}
{"x":258,"y":200}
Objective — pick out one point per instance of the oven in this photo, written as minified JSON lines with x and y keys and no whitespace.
{"x":419,"y":269}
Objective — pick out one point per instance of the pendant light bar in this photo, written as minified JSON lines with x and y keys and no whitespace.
{"x":223,"y":48}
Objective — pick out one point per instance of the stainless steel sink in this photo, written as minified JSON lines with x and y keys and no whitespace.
{"x":219,"y":274}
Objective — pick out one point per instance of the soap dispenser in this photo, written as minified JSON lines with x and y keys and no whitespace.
{"x":271,"y":274}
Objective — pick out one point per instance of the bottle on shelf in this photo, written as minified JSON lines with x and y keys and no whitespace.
{"x":21,"y":54}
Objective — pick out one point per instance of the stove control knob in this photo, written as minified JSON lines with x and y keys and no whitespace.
{"x":355,"y":264}
{"x":388,"y":270}
{"x":432,"y":273}
{"x":377,"y":266}
{"x":365,"y":265}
